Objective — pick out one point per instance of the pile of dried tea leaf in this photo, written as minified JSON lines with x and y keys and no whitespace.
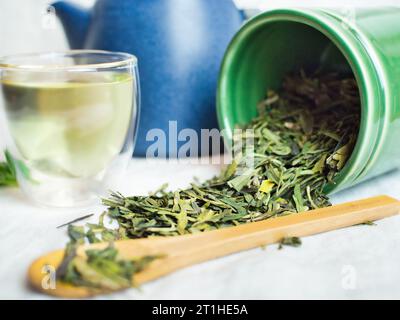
{"x":303,"y":136}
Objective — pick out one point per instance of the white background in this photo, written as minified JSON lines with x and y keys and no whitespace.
{"x":357,"y":262}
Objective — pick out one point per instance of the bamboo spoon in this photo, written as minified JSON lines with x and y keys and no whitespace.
{"x":183,"y":251}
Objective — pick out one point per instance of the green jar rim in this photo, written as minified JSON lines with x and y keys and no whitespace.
{"x":366,"y":69}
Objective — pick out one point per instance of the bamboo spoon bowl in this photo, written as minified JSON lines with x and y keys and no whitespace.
{"x":182,"y":251}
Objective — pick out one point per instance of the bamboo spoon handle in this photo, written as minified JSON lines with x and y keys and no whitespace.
{"x":302,"y":224}
{"x":187,"y":250}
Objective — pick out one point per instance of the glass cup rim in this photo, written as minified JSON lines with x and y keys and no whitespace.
{"x":125,"y":59}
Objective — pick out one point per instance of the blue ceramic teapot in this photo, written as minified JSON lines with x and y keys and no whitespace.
{"x":179,"y":45}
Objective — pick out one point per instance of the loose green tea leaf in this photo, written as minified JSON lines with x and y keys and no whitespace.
{"x":75,"y":220}
{"x":368,"y":223}
{"x":76,"y":234}
{"x":290,"y":241}
{"x":101,"y":269}
{"x":266,"y":186}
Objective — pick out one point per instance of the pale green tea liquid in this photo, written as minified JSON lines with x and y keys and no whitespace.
{"x":70,"y":128}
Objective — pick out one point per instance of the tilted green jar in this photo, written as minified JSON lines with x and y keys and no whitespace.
{"x":365,"y":42}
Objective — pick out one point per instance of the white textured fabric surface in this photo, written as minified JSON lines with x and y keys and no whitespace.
{"x":356,"y":262}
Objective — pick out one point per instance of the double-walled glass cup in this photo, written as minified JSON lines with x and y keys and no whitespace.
{"x":70,"y":122}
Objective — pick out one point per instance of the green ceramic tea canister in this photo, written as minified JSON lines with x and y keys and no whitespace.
{"x":364,"y":42}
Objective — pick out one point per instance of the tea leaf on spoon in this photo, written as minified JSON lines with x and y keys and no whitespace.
{"x":101,"y":268}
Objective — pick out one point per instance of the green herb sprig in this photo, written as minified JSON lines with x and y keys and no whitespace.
{"x":7,"y":171}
